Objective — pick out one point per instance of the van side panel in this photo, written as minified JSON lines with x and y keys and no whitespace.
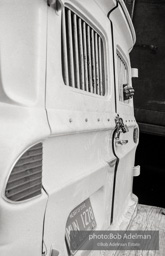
{"x":22,"y":51}
{"x":23,"y":119}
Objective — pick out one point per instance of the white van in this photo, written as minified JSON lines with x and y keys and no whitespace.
{"x":68,"y":134}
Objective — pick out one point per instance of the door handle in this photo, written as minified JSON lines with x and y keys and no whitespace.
{"x":121,"y":142}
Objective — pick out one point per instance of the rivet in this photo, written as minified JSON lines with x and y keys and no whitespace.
{"x":70,"y":120}
{"x":86,"y":120}
{"x":98,"y":119}
{"x":108,"y":119}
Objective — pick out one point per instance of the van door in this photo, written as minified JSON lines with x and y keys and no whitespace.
{"x":124,"y":144}
{"x":79,"y":161}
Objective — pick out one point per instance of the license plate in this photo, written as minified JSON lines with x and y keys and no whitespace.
{"x":80,"y":219}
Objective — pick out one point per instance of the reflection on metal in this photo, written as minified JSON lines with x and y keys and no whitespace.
{"x":130,"y":6}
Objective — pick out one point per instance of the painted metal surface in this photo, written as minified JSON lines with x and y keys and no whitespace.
{"x":125,"y":151}
{"x":23,"y":120}
{"x":80,"y":157}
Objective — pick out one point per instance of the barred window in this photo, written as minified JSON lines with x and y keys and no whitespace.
{"x":83,"y":64}
{"x":122,"y":71}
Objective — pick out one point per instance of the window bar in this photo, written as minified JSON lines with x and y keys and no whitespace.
{"x":81,"y":54}
{"x":123,"y":77}
{"x":85,"y":55}
{"x":100,"y":67}
{"x":76,"y":54}
{"x":89,"y":58}
{"x":65,"y":56}
{"x":93,"y":62}
{"x":103,"y":67}
{"x":70,"y":45}
{"x":97,"y":65}
{"x":120,"y":77}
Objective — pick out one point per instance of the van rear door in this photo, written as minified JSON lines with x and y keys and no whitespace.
{"x":79,"y":161}
{"x":124,"y":144}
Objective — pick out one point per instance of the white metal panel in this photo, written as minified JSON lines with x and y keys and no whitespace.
{"x":123,"y":28}
{"x":79,"y":151}
{"x":129,"y":20}
{"x":76,"y":168}
{"x":23,"y":51}
{"x":105,"y":5}
{"x":68,"y":108}
{"x":123,"y":43}
{"x":20,"y":129}
{"x":22,"y":82}
{"x":22,"y":227}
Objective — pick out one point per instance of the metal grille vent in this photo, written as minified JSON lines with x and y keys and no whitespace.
{"x":82,"y":55}
{"x":25,"y":180}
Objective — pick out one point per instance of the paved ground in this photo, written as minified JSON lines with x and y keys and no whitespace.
{"x":147,"y":218}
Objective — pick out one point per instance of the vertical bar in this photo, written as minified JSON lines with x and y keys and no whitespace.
{"x":133,"y":7}
{"x":119,"y":75}
{"x":70,"y":39}
{"x":93,"y":62}
{"x":89,"y":59}
{"x":75,"y":34}
{"x":97,"y":65}
{"x":126,"y":74}
{"x":103,"y":67}
{"x":100,"y":68}
{"x":81,"y":54}
{"x":85,"y":55}
{"x":122,"y":78}
{"x":64,"y":45}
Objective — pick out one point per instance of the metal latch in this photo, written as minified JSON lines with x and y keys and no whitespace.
{"x":120,"y":126}
{"x":121,"y":142}
{"x":128,"y":92}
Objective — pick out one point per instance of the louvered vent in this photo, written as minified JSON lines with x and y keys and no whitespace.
{"x":25,"y":180}
{"x":82,"y":55}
